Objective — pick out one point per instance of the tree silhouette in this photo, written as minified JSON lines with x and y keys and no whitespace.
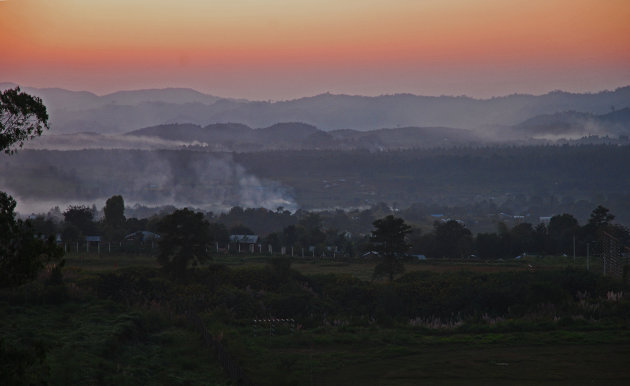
{"x":79,"y":218}
{"x":562,"y":229}
{"x":114,"y":211}
{"x":184,"y":240}
{"x":114,"y":221}
{"x":389,"y":240}
{"x":22,"y":117}
{"x":453,"y":240}
{"x":22,"y":255}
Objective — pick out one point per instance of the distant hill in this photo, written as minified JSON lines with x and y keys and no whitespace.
{"x":408,"y":137}
{"x":577,"y":124}
{"x":167,"y":95}
{"x":120,"y":112}
{"x":61,"y":99}
{"x":218,"y":132}
{"x":296,"y":135}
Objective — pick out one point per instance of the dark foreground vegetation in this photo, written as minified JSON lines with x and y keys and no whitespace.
{"x":263,"y":321}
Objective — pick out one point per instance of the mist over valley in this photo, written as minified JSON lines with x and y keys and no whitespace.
{"x":184,"y":148}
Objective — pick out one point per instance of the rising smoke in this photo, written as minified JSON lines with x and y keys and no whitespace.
{"x":41,"y":179}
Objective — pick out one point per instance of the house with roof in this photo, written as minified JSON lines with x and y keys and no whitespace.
{"x":142,"y":236}
{"x":244,"y":242}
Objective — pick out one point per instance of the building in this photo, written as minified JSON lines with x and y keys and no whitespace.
{"x":244,"y":242}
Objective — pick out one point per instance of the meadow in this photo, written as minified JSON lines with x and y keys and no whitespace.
{"x":116,"y":319}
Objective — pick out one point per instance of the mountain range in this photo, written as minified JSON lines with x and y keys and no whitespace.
{"x":125,"y":111}
{"x":296,"y":135}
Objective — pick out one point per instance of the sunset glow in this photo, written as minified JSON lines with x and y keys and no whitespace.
{"x":283,"y":49}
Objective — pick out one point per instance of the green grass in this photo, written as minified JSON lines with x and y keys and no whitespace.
{"x":406,"y":357}
{"x":107,"y":263}
{"x":101,"y":342}
{"x":361,"y":269}
{"x":494,"y":364}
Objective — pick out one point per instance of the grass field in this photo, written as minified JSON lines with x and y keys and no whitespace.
{"x":101,"y":342}
{"x":84,"y":340}
{"x":407,"y":357}
{"x":361,"y":269}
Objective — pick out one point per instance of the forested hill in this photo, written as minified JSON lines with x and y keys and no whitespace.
{"x":299,"y":136}
{"x":576,"y":124}
{"x":449,"y":177}
{"x":576,"y":176}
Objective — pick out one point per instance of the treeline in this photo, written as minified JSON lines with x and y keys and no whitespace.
{"x":562,"y":235}
{"x":340,"y":233}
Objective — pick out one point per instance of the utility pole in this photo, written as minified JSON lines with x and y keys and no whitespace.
{"x":588,"y":256}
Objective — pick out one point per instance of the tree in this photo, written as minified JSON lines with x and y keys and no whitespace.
{"x":389,"y":239}
{"x":600,"y":217}
{"x":562,"y":229}
{"x":489,"y":246}
{"x":541,"y":238}
{"x":115,"y":212}
{"x":310,"y":230}
{"x":22,"y":117}
{"x":114,"y":221}
{"x":22,"y":255}
{"x":80,"y":219}
{"x":219,"y":233}
{"x":184,"y":240}
{"x":597,"y":224}
{"x":523,"y":238}
{"x":600,"y":223}
{"x":452,"y":239}
{"x":241,"y":229}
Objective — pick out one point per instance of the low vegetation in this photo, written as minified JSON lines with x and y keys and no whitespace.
{"x":318,"y":322}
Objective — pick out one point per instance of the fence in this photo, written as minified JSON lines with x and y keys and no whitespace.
{"x":108,"y":248}
{"x":613,"y":259}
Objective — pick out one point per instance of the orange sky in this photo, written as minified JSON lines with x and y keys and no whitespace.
{"x":276,"y":49}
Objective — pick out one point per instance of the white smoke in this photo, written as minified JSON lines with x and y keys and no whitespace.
{"x":202,"y":180}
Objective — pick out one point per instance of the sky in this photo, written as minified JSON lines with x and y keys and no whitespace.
{"x":284,"y":49}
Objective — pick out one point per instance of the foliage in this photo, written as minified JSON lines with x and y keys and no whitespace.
{"x":23,"y":364}
{"x":114,"y":221}
{"x":240,"y":229}
{"x":184,"y":240}
{"x":101,"y":342}
{"x":562,"y":229}
{"x":22,"y":117}
{"x":452,"y":239}
{"x":22,"y":255}
{"x":80,"y":219}
{"x":389,"y":240}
